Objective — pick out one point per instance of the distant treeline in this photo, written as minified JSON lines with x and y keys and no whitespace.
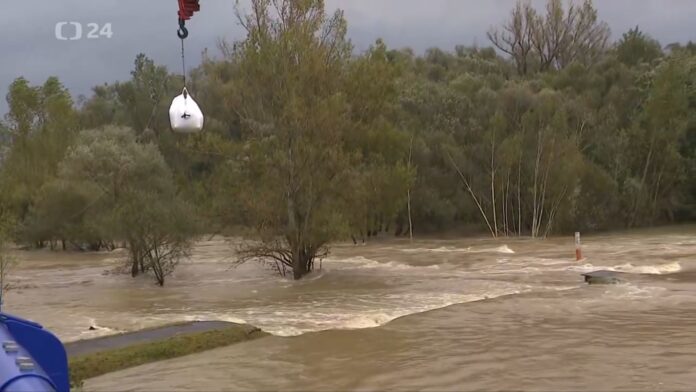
{"x":552,"y":129}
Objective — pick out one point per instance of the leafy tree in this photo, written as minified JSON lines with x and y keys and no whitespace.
{"x":140,"y":103}
{"x":159,"y":228}
{"x":41,"y":124}
{"x":319,"y":155}
{"x":102,"y":108}
{"x":635,"y":47}
{"x":295,"y":171}
{"x":658,"y":166}
{"x":144,"y":97}
{"x":137,"y":197}
{"x":382,"y":176}
{"x":66,"y":212}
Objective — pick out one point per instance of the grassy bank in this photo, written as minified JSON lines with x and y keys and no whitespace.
{"x":93,"y":365}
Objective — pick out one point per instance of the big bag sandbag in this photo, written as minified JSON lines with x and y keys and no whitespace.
{"x":184,"y":114}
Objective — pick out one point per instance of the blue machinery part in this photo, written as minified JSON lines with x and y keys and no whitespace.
{"x":31,"y":359}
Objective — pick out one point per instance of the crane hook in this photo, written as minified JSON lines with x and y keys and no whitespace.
{"x":182,"y":32}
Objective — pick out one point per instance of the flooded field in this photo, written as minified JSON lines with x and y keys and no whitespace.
{"x":465,"y":314}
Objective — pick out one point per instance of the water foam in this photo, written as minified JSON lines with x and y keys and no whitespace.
{"x":360,"y":262}
{"x":442,"y":249}
{"x":99,"y":330}
{"x":450,"y":249}
{"x":655,"y":269}
{"x":504,"y":249}
{"x":631,"y":291}
{"x":297,"y":320}
{"x":659,"y":269}
{"x":212,"y":316}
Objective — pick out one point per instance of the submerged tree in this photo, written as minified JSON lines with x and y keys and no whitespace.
{"x":159,"y":228}
{"x":306,"y":129}
{"x":137,"y":201}
{"x":295,"y":170}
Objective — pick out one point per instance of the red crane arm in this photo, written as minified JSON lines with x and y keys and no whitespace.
{"x":187,"y":8}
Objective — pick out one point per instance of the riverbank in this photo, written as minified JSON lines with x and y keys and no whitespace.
{"x":94,"y":357}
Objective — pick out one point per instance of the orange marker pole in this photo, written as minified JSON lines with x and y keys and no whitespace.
{"x":578,"y":247}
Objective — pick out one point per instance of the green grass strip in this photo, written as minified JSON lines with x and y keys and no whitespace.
{"x":96,"y":364}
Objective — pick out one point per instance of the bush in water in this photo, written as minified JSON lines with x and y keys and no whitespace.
{"x":136,"y":201}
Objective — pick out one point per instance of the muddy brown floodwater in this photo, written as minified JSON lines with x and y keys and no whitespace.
{"x":464,"y":314}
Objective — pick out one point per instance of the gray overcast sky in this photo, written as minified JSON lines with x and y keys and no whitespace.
{"x":29,"y":48}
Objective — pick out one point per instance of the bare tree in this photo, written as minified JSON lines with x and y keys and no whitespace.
{"x":161,"y":235}
{"x":554,"y":40}
{"x":515,"y":36}
{"x":276,"y":254}
{"x":579,"y":36}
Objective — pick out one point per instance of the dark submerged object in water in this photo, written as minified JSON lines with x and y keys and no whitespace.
{"x":602,"y":277}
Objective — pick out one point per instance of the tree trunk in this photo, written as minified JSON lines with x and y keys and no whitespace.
{"x":535,"y":202}
{"x":300,"y":264}
{"x":506,"y":206}
{"x":134,"y":268}
{"x":399,"y":228}
{"x":657,"y":193}
{"x":408,"y":193}
{"x":493,"y":203}
{"x":519,"y":197}
{"x":638,"y":198}
{"x":473,"y":196}
{"x":156,"y":264}
{"x":136,"y":258}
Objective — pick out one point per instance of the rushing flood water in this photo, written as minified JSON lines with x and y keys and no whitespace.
{"x":466,"y":314}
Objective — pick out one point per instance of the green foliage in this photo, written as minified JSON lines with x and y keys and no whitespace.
{"x":61,"y":213}
{"x":112,"y":188}
{"x":321,"y":157}
{"x":635,"y":47}
{"x":41,"y":124}
{"x":140,"y":103}
{"x":140,"y":196}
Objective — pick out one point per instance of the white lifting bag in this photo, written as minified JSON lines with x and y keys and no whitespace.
{"x":184,"y":114}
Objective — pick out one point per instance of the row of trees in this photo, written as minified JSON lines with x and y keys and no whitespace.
{"x":552,"y":129}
